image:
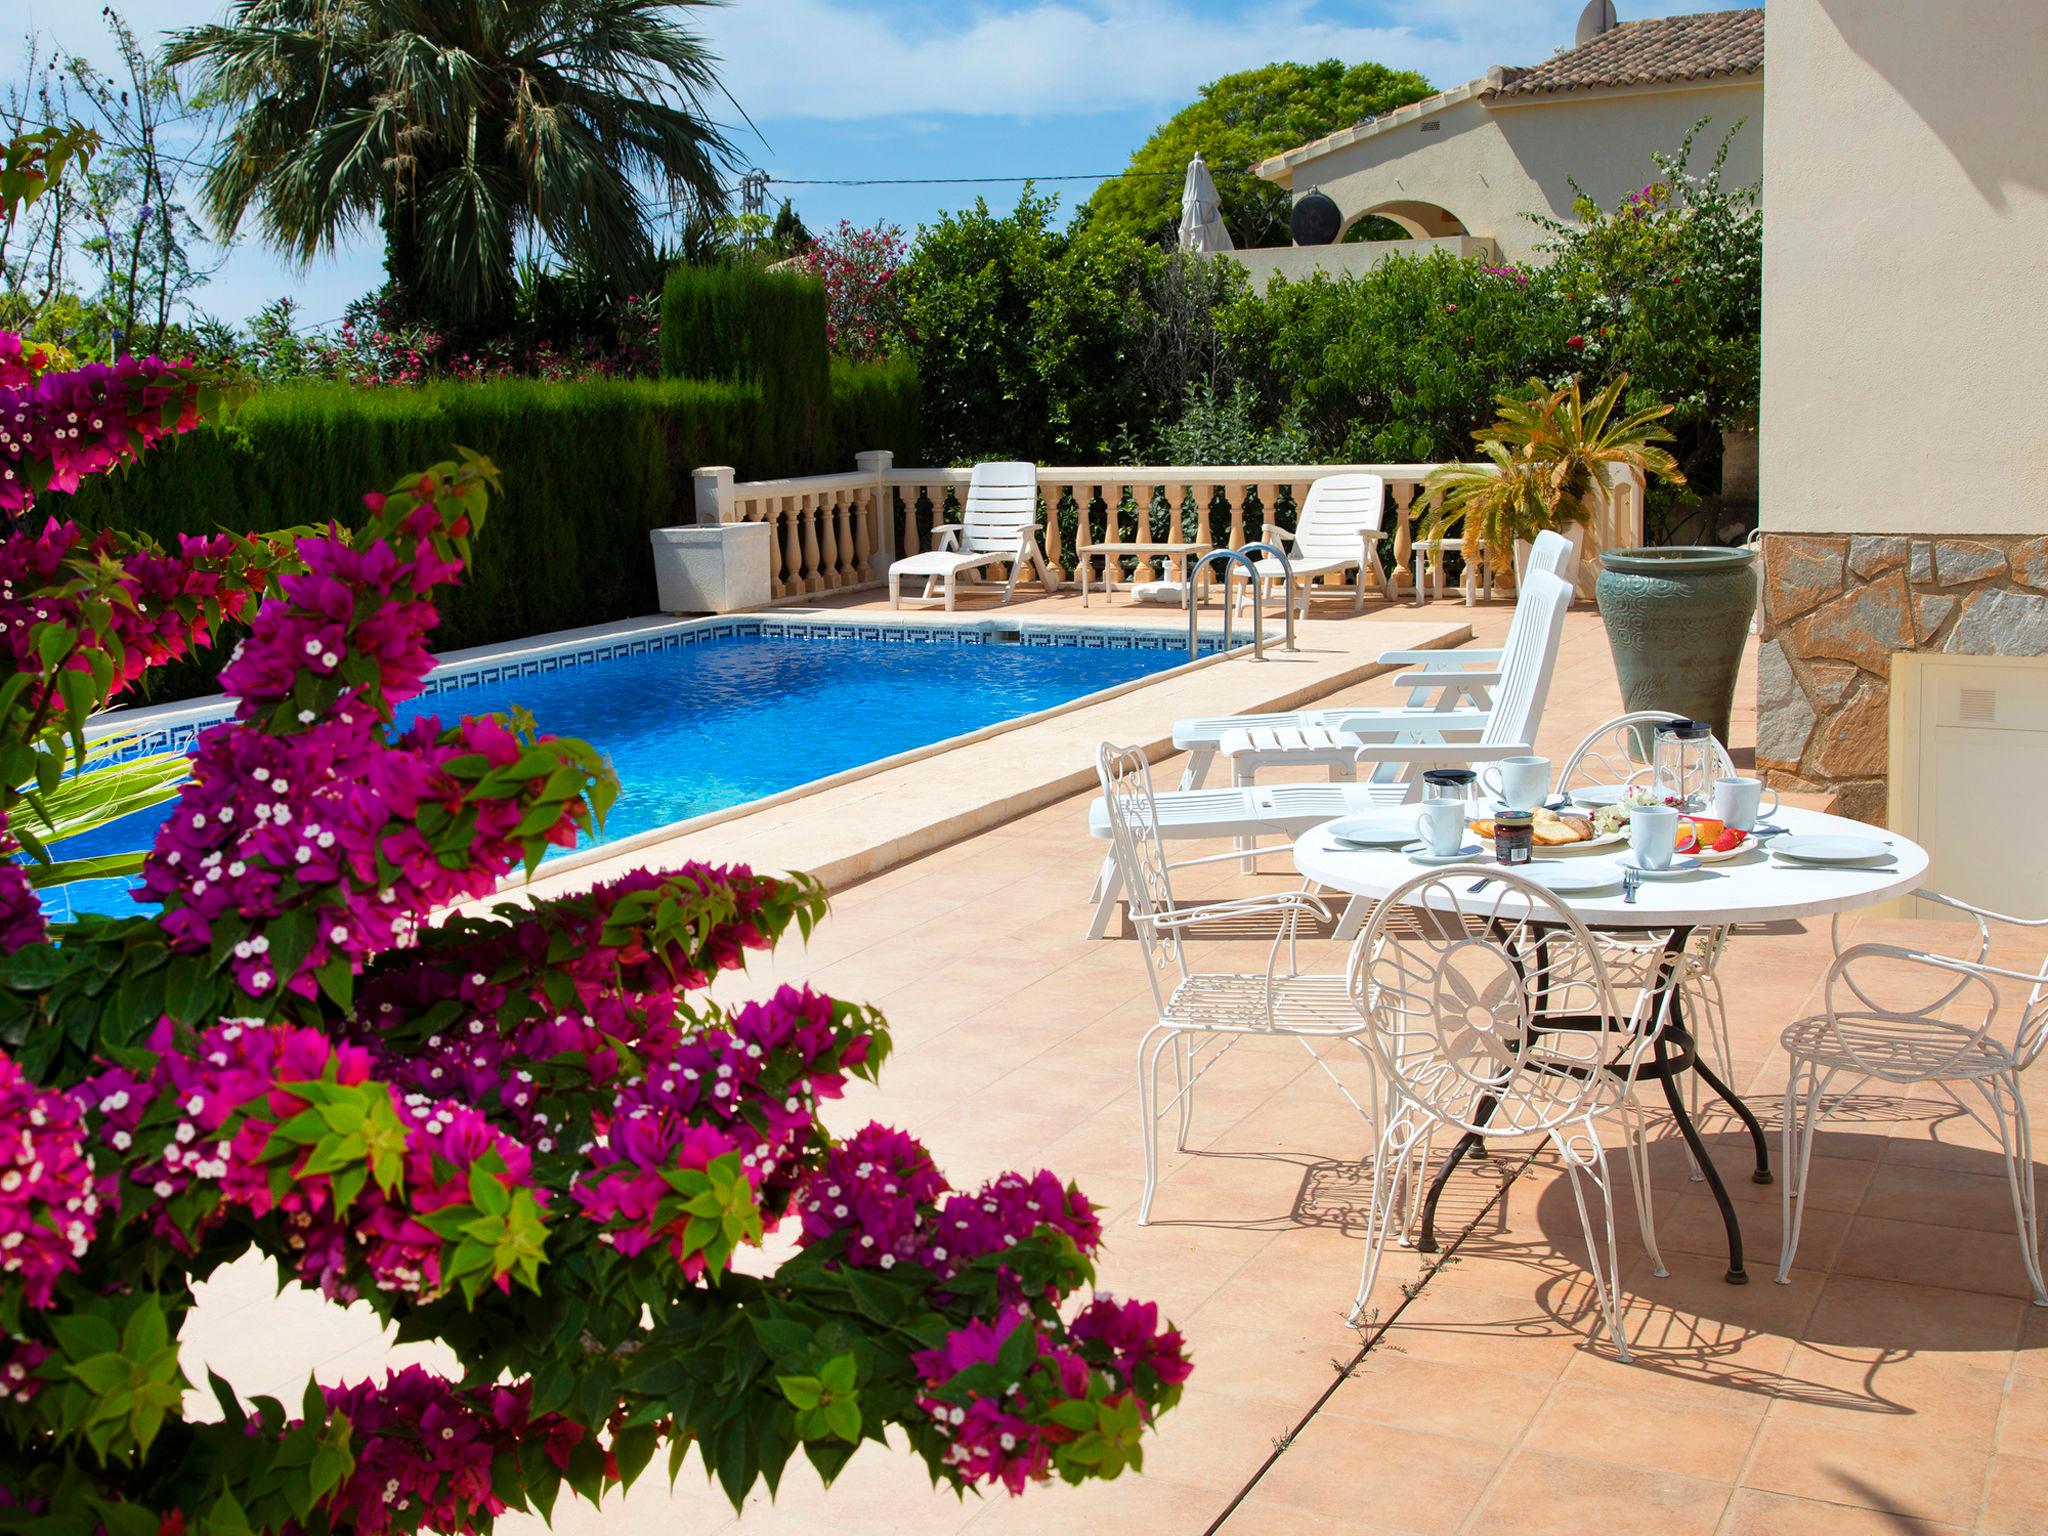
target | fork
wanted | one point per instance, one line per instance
(1631, 882)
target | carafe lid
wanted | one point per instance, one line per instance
(1449, 776)
(1684, 730)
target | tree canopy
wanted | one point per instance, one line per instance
(459, 127)
(1236, 122)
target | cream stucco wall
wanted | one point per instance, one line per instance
(1489, 164)
(1295, 262)
(1905, 352)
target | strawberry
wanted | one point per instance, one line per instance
(1729, 840)
(1688, 836)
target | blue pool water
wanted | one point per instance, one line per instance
(752, 708)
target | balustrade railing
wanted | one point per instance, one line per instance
(838, 533)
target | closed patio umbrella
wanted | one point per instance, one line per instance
(1201, 212)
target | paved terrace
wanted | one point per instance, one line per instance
(1899, 1384)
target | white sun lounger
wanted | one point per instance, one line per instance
(1399, 744)
(1337, 529)
(999, 523)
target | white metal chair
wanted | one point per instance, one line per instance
(998, 523)
(1401, 745)
(1945, 1042)
(1336, 529)
(1492, 1016)
(1201, 1014)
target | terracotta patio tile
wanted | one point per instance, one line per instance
(1885, 1472)
(1472, 1402)
(1952, 1257)
(2016, 1503)
(1751, 1513)
(1706, 1436)
(1546, 1495)
(1930, 1397)
(1418, 1482)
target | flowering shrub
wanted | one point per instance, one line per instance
(863, 301)
(530, 1134)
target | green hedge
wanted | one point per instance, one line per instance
(743, 324)
(589, 467)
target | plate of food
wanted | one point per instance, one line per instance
(1710, 841)
(1560, 832)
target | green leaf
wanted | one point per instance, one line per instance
(802, 1391)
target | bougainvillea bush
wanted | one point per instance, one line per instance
(531, 1135)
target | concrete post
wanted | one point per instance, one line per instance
(714, 494)
(878, 462)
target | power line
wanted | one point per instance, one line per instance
(974, 181)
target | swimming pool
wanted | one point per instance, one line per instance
(703, 715)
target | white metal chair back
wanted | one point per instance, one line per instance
(1623, 751)
(1455, 985)
(1141, 862)
(1549, 551)
(1528, 660)
(1001, 507)
(1337, 514)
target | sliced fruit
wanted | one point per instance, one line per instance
(1729, 840)
(1688, 836)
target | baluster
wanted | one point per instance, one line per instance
(1237, 519)
(864, 530)
(792, 550)
(1142, 568)
(825, 508)
(1405, 562)
(906, 544)
(807, 541)
(1051, 492)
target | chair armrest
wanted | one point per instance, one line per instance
(946, 536)
(1431, 753)
(1243, 906)
(1447, 679)
(1392, 722)
(1926, 894)
(1438, 660)
(1966, 973)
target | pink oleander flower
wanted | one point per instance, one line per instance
(48, 1204)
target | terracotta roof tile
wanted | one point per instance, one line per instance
(1669, 48)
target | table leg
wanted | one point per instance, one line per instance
(1666, 1002)
(1733, 1100)
(1425, 1240)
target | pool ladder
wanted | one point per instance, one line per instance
(1232, 559)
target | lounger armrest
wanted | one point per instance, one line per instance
(946, 536)
(1447, 680)
(1446, 661)
(1454, 754)
(1401, 722)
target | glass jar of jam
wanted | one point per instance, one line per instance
(1514, 836)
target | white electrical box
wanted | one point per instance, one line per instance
(1969, 773)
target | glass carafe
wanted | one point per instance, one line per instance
(1686, 765)
(1449, 784)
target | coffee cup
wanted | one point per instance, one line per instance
(1519, 783)
(1738, 803)
(1653, 834)
(1441, 827)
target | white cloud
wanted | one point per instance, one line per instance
(855, 59)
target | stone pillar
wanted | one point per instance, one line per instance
(878, 462)
(714, 494)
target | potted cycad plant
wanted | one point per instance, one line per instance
(1551, 454)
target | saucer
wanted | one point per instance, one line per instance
(1681, 864)
(1464, 855)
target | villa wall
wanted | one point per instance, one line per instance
(1489, 164)
(1905, 365)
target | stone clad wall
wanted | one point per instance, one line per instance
(1835, 608)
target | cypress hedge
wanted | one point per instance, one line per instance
(743, 324)
(589, 467)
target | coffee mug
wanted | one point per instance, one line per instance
(1653, 834)
(1738, 803)
(1519, 783)
(1441, 826)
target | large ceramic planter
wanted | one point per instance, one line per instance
(1677, 620)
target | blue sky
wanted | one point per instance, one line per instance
(911, 88)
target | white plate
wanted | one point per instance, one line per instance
(1464, 855)
(1830, 848)
(1682, 864)
(1597, 795)
(1748, 844)
(1565, 878)
(1566, 850)
(1379, 830)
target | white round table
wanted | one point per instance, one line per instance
(1751, 887)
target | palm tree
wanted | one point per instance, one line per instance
(459, 125)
